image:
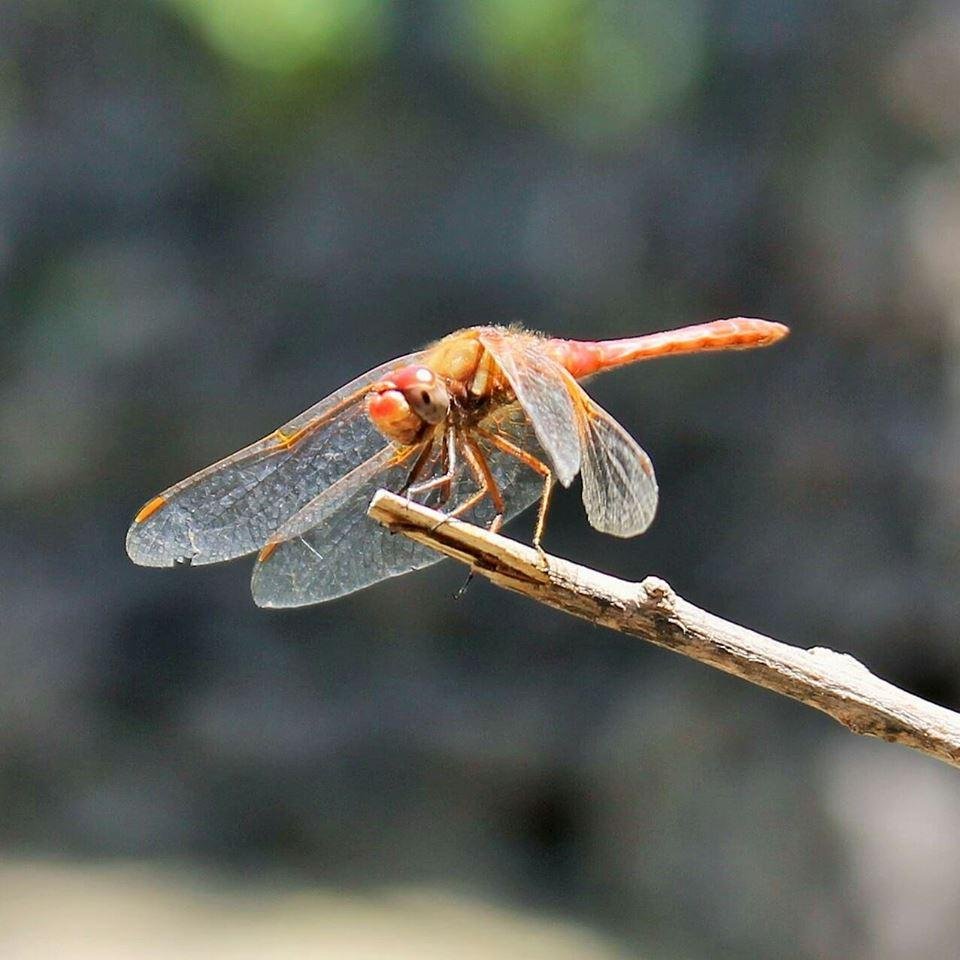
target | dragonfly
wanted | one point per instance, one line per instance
(480, 425)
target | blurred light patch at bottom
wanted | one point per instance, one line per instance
(74, 912)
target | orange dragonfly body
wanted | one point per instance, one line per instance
(478, 425)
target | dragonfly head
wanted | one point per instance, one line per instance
(403, 404)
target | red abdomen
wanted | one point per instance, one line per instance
(585, 357)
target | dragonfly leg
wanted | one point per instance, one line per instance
(449, 461)
(449, 464)
(485, 482)
(535, 464)
(418, 468)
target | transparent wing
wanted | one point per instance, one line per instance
(541, 387)
(619, 487)
(233, 507)
(520, 485)
(332, 548)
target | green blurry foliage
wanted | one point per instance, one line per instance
(592, 70)
(283, 36)
(595, 70)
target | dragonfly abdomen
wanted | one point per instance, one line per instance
(584, 357)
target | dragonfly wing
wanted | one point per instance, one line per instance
(619, 486)
(332, 548)
(520, 485)
(541, 387)
(233, 507)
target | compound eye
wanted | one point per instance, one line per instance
(428, 398)
(424, 392)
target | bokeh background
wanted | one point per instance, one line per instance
(213, 213)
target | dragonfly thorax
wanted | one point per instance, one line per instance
(408, 402)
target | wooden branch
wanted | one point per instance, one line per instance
(833, 682)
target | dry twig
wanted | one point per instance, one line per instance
(833, 682)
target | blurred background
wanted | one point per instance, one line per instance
(213, 213)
